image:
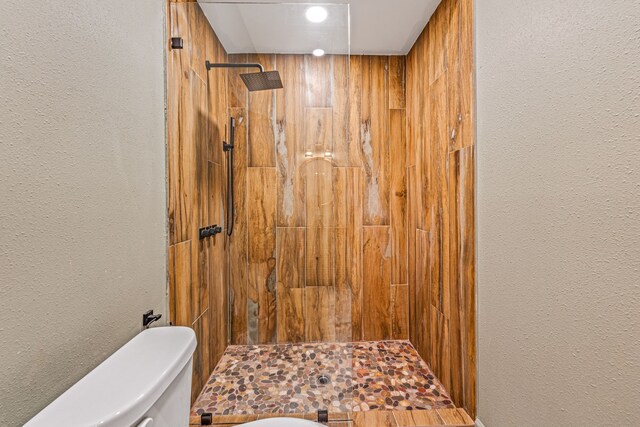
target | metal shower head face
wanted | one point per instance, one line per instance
(265, 80)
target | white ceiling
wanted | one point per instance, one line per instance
(383, 27)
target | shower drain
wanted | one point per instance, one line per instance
(323, 380)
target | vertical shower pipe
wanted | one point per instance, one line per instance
(228, 148)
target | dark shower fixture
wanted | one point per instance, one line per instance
(228, 148)
(209, 231)
(262, 80)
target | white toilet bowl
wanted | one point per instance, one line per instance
(146, 383)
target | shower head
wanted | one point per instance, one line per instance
(262, 80)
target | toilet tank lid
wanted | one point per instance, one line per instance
(123, 387)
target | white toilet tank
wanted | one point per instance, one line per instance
(145, 383)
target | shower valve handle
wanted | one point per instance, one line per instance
(210, 231)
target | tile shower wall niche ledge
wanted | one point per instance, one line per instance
(453, 417)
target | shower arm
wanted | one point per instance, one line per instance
(211, 65)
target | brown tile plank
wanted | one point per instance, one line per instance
(319, 193)
(197, 27)
(400, 312)
(182, 158)
(423, 144)
(238, 273)
(438, 198)
(217, 83)
(237, 91)
(374, 418)
(418, 109)
(422, 340)
(417, 418)
(437, 46)
(340, 104)
(468, 421)
(397, 82)
(290, 142)
(412, 226)
(452, 41)
(261, 120)
(340, 416)
(180, 256)
(347, 195)
(348, 284)
(466, 252)
(318, 133)
(214, 269)
(375, 139)
(290, 318)
(320, 250)
(455, 417)
(178, 98)
(171, 271)
(411, 105)
(290, 256)
(320, 256)
(290, 274)
(456, 318)
(467, 87)
(439, 360)
(318, 76)
(200, 199)
(261, 187)
(201, 356)
(356, 126)
(398, 197)
(202, 279)
(348, 185)
(319, 309)
(227, 420)
(376, 323)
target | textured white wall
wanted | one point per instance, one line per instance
(82, 189)
(558, 212)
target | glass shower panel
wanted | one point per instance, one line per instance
(294, 267)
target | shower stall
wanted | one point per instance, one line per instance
(319, 294)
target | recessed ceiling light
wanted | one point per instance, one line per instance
(316, 14)
(318, 52)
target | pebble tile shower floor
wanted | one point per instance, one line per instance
(269, 379)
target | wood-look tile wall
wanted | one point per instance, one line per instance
(319, 250)
(440, 171)
(196, 126)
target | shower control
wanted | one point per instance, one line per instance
(210, 231)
